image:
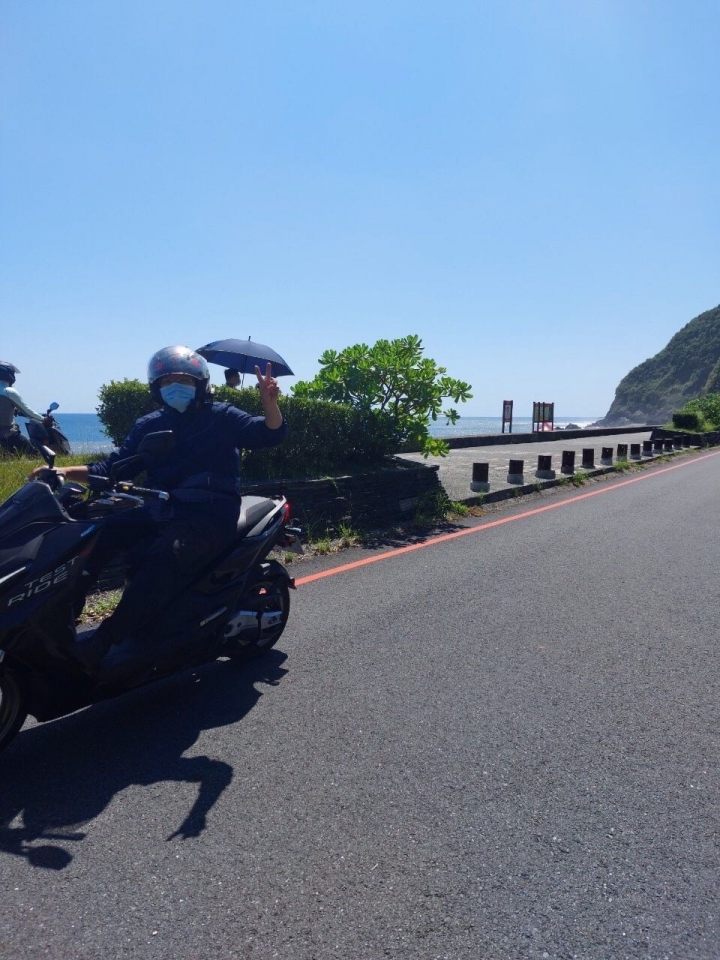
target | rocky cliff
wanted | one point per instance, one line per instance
(688, 367)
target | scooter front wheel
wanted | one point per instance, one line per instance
(269, 598)
(13, 707)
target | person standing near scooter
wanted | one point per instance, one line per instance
(11, 403)
(202, 474)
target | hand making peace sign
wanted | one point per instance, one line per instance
(269, 390)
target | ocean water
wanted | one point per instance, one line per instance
(85, 432)
(481, 426)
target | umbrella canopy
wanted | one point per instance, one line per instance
(244, 356)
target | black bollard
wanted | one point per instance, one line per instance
(544, 468)
(568, 461)
(634, 451)
(668, 443)
(588, 458)
(622, 451)
(480, 482)
(686, 440)
(647, 448)
(607, 456)
(677, 442)
(658, 444)
(516, 471)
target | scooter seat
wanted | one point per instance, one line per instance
(252, 510)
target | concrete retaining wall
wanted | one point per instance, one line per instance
(502, 439)
(366, 499)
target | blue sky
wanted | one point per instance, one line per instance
(531, 187)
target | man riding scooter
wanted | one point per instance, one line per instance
(11, 403)
(202, 474)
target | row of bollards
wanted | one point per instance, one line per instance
(516, 468)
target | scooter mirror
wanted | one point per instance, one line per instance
(152, 450)
(53, 406)
(48, 455)
(155, 447)
(126, 469)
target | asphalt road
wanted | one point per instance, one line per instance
(502, 745)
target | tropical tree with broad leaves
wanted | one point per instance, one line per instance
(393, 377)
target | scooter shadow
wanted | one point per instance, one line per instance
(63, 774)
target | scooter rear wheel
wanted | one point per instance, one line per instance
(13, 708)
(269, 594)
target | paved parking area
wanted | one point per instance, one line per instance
(455, 470)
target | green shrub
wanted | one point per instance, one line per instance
(122, 402)
(703, 411)
(709, 406)
(324, 438)
(689, 420)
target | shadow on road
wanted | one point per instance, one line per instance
(63, 774)
(407, 537)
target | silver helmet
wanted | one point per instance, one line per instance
(178, 359)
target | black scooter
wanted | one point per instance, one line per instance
(237, 607)
(48, 433)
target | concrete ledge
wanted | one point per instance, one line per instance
(502, 439)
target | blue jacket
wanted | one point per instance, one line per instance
(205, 460)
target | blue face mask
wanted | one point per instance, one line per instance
(179, 396)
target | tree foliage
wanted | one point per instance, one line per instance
(702, 413)
(395, 379)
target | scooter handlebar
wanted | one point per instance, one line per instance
(107, 485)
(142, 491)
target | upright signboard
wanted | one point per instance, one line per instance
(543, 416)
(507, 415)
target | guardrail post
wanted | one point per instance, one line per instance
(480, 482)
(588, 458)
(568, 461)
(647, 448)
(544, 468)
(516, 471)
(634, 451)
(607, 456)
(622, 451)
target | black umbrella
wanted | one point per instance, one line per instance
(244, 356)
